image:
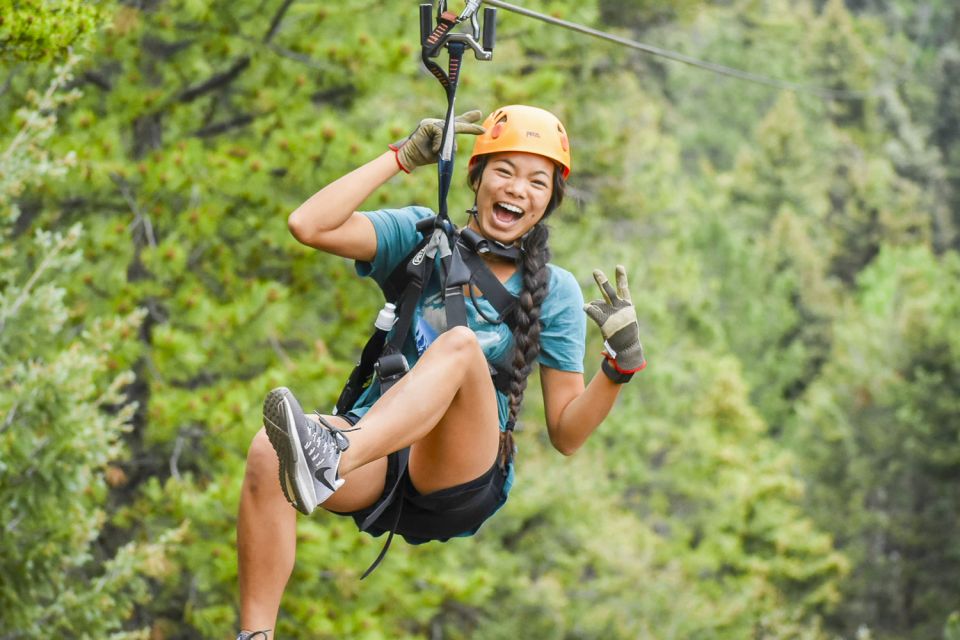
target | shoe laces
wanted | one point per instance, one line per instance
(335, 434)
(320, 445)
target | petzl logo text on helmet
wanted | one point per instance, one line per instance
(417, 259)
(533, 134)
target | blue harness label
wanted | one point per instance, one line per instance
(424, 335)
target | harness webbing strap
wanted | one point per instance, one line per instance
(501, 379)
(418, 272)
(396, 282)
(457, 276)
(361, 373)
(406, 308)
(446, 21)
(447, 143)
(493, 290)
(391, 498)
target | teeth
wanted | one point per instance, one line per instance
(511, 208)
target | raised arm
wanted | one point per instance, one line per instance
(573, 411)
(329, 221)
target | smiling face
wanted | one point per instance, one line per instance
(513, 194)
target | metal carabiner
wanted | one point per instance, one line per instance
(470, 11)
(480, 40)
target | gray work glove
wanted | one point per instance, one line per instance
(423, 145)
(618, 322)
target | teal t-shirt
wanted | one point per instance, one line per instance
(563, 322)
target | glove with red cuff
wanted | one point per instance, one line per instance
(423, 145)
(617, 318)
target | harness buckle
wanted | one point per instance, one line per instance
(390, 368)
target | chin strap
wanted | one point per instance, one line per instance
(512, 252)
(484, 246)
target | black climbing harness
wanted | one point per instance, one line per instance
(458, 253)
(382, 355)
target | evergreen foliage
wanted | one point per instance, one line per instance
(785, 468)
(40, 30)
(880, 431)
(64, 414)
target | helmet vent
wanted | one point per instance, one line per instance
(498, 128)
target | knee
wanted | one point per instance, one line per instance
(458, 342)
(262, 464)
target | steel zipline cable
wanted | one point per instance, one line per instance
(757, 78)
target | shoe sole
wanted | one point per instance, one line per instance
(283, 435)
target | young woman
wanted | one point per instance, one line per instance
(432, 457)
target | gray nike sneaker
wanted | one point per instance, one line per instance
(254, 635)
(309, 452)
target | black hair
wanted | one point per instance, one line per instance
(534, 256)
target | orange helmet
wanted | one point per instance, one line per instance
(522, 128)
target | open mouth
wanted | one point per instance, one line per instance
(507, 213)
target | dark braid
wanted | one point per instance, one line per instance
(534, 256)
(526, 334)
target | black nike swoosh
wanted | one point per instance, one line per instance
(320, 475)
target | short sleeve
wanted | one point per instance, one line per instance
(564, 331)
(397, 235)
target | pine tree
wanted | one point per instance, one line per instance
(879, 436)
(62, 416)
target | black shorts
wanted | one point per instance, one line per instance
(440, 515)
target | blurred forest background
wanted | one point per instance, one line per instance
(788, 467)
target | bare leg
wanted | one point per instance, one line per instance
(445, 407)
(267, 528)
(266, 538)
